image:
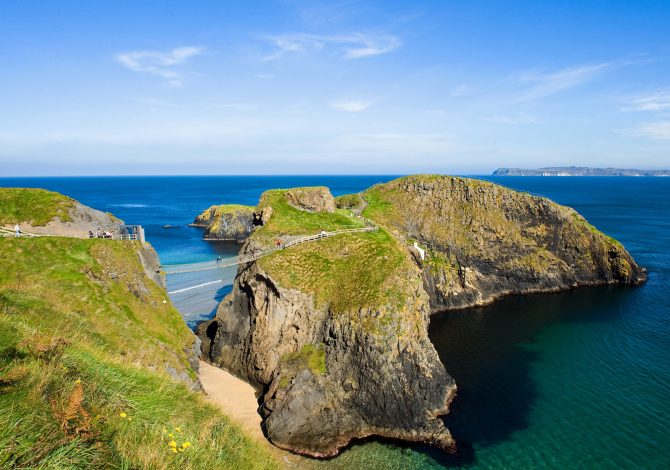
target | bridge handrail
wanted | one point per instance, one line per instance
(235, 260)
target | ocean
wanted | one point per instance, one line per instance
(579, 379)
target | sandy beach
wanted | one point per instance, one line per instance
(237, 400)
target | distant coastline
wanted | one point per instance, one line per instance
(578, 171)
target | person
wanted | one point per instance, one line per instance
(97, 233)
(323, 233)
(90, 234)
(17, 230)
(218, 260)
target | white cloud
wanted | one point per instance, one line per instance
(546, 84)
(158, 62)
(658, 100)
(350, 46)
(352, 106)
(659, 130)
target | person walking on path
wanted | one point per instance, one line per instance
(17, 231)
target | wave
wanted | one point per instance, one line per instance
(128, 205)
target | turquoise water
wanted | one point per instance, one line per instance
(573, 380)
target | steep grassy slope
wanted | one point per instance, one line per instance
(37, 206)
(94, 369)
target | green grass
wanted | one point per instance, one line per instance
(287, 220)
(348, 271)
(310, 356)
(35, 206)
(349, 201)
(81, 314)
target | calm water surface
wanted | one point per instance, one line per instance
(572, 380)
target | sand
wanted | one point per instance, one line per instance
(237, 400)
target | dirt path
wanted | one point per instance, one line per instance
(237, 400)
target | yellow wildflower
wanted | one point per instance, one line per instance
(123, 415)
(170, 435)
(172, 444)
(174, 451)
(177, 429)
(186, 445)
(78, 381)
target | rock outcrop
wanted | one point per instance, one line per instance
(333, 334)
(325, 376)
(484, 241)
(313, 199)
(228, 222)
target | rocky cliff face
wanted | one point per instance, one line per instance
(326, 377)
(333, 334)
(230, 222)
(313, 199)
(484, 241)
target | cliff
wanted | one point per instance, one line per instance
(97, 368)
(484, 241)
(333, 333)
(229, 222)
(45, 212)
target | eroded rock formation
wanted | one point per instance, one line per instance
(333, 334)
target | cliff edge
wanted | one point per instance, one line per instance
(333, 333)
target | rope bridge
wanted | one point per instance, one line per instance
(247, 258)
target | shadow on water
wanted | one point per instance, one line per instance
(489, 353)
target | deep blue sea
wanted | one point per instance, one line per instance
(573, 380)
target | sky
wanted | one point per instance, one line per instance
(340, 87)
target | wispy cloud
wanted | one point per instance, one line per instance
(550, 83)
(658, 100)
(659, 130)
(158, 62)
(351, 106)
(519, 118)
(459, 91)
(350, 46)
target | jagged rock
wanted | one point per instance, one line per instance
(332, 363)
(324, 378)
(231, 222)
(486, 241)
(313, 199)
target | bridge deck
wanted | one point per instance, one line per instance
(236, 260)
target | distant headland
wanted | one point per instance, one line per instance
(578, 171)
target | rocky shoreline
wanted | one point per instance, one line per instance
(333, 336)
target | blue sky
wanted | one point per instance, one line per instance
(312, 87)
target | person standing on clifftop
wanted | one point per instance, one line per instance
(17, 231)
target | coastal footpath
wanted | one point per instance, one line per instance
(333, 334)
(97, 367)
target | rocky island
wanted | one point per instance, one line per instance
(578, 171)
(227, 222)
(333, 334)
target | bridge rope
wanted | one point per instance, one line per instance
(247, 258)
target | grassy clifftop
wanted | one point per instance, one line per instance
(348, 271)
(286, 219)
(91, 352)
(37, 206)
